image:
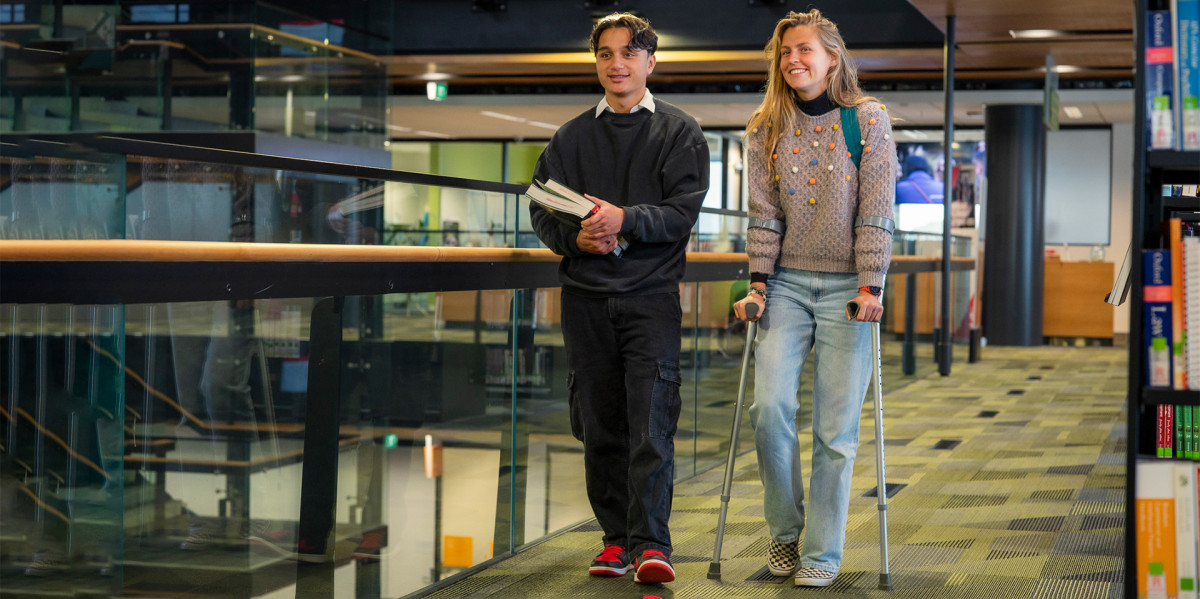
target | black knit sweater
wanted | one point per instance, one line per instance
(655, 166)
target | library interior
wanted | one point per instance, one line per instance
(275, 319)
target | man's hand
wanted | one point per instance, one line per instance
(596, 244)
(605, 222)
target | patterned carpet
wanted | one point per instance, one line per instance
(1013, 486)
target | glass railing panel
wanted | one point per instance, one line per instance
(62, 197)
(713, 342)
(186, 200)
(214, 436)
(719, 231)
(61, 407)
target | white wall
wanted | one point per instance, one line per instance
(1120, 176)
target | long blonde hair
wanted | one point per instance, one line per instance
(779, 104)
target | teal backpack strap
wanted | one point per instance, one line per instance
(851, 133)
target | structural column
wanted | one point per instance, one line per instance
(1014, 225)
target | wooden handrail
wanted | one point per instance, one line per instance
(134, 250)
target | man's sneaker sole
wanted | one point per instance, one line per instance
(654, 572)
(609, 571)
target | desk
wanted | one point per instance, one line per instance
(1073, 299)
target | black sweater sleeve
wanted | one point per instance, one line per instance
(557, 235)
(684, 183)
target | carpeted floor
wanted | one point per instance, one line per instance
(1013, 486)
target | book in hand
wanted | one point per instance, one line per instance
(567, 205)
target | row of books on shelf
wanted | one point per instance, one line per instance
(1172, 81)
(1171, 309)
(1167, 516)
(1176, 191)
(1178, 433)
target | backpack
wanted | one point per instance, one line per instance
(851, 133)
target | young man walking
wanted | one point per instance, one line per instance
(645, 164)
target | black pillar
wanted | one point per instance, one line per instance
(1014, 235)
(946, 340)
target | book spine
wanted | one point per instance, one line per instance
(1174, 236)
(1188, 44)
(1156, 291)
(1185, 529)
(1159, 84)
(1177, 426)
(1154, 506)
(1191, 310)
(1160, 433)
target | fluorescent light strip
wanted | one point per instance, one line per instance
(542, 125)
(1073, 112)
(1036, 33)
(502, 116)
(432, 134)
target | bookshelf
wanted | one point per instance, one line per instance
(1152, 169)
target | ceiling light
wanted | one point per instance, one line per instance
(399, 128)
(432, 134)
(502, 116)
(434, 76)
(542, 125)
(1036, 33)
(1073, 112)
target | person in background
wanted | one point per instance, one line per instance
(918, 185)
(645, 164)
(820, 235)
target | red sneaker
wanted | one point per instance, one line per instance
(653, 567)
(613, 561)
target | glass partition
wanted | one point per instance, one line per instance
(160, 446)
(927, 293)
(194, 68)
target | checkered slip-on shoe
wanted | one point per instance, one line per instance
(782, 558)
(813, 577)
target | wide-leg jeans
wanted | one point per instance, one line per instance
(623, 386)
(806, 312)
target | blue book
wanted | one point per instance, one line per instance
(1156, 290)
(1187, 44)
(1160, 69)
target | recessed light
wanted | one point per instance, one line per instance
(1035, 33)
(1073, 112)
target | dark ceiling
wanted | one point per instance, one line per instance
(449, 26)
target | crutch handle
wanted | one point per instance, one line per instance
(752, 310)
(852, 309)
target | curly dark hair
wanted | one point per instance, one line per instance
(641, 34)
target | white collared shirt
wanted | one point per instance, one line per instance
(646, 102)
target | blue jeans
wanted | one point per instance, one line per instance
(806, 311)
(623, 354)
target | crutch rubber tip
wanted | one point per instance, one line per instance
(885, 582)
(714, 571)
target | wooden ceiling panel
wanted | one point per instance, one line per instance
(990, 19)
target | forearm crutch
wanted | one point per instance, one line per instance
(714, 568)
(885, 578)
